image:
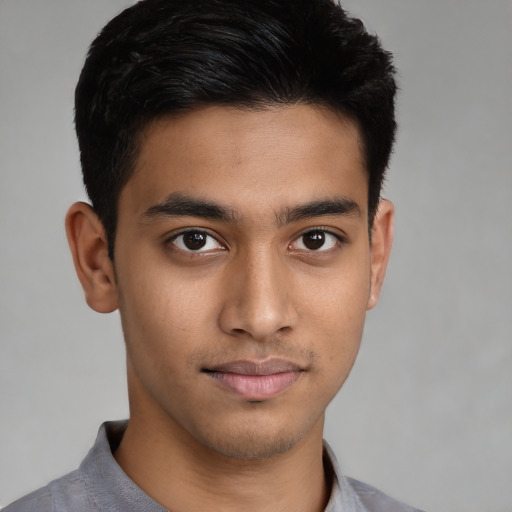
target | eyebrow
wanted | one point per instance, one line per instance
(180, 205)
(338, 205)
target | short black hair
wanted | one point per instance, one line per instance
(161, 57)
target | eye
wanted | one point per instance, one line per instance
(317, 240)
(196, 241)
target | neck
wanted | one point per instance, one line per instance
(183, 475)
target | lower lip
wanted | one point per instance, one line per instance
(256, 387)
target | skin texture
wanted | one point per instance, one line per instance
(255, 292)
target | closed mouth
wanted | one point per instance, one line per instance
(255, 380)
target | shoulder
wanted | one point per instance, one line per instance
(37, 501)
(65, 494)
(376, 501)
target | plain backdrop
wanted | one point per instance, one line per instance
(427, 413)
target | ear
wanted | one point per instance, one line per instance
(382, 239)
(88, 244)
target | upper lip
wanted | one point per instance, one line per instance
(246, 367)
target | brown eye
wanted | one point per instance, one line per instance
(196, 241)
(314, 240)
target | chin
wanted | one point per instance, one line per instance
(252, 445)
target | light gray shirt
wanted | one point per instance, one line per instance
(100, 485)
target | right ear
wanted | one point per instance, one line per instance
(94, 268)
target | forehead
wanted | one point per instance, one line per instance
(278, 155)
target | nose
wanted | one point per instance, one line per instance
(258, 298)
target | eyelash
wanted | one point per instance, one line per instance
(339, 240)
(172, 240)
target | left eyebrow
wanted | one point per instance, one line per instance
(338, 205)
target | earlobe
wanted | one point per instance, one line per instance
(88, 244)
(382, 239)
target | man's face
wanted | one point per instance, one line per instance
(242, 266)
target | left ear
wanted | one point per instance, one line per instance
(382, 239)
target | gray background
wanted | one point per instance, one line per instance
(427, 412)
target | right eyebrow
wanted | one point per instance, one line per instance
(181, 205)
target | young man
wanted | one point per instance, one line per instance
(233, 152)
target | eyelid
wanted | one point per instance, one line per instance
(339, 236)
(171, 238)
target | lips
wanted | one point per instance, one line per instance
(255, 380)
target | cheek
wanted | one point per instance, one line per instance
(337, 299)
(163, 317)
(160, 336)
(162, 294)
(336, 308)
